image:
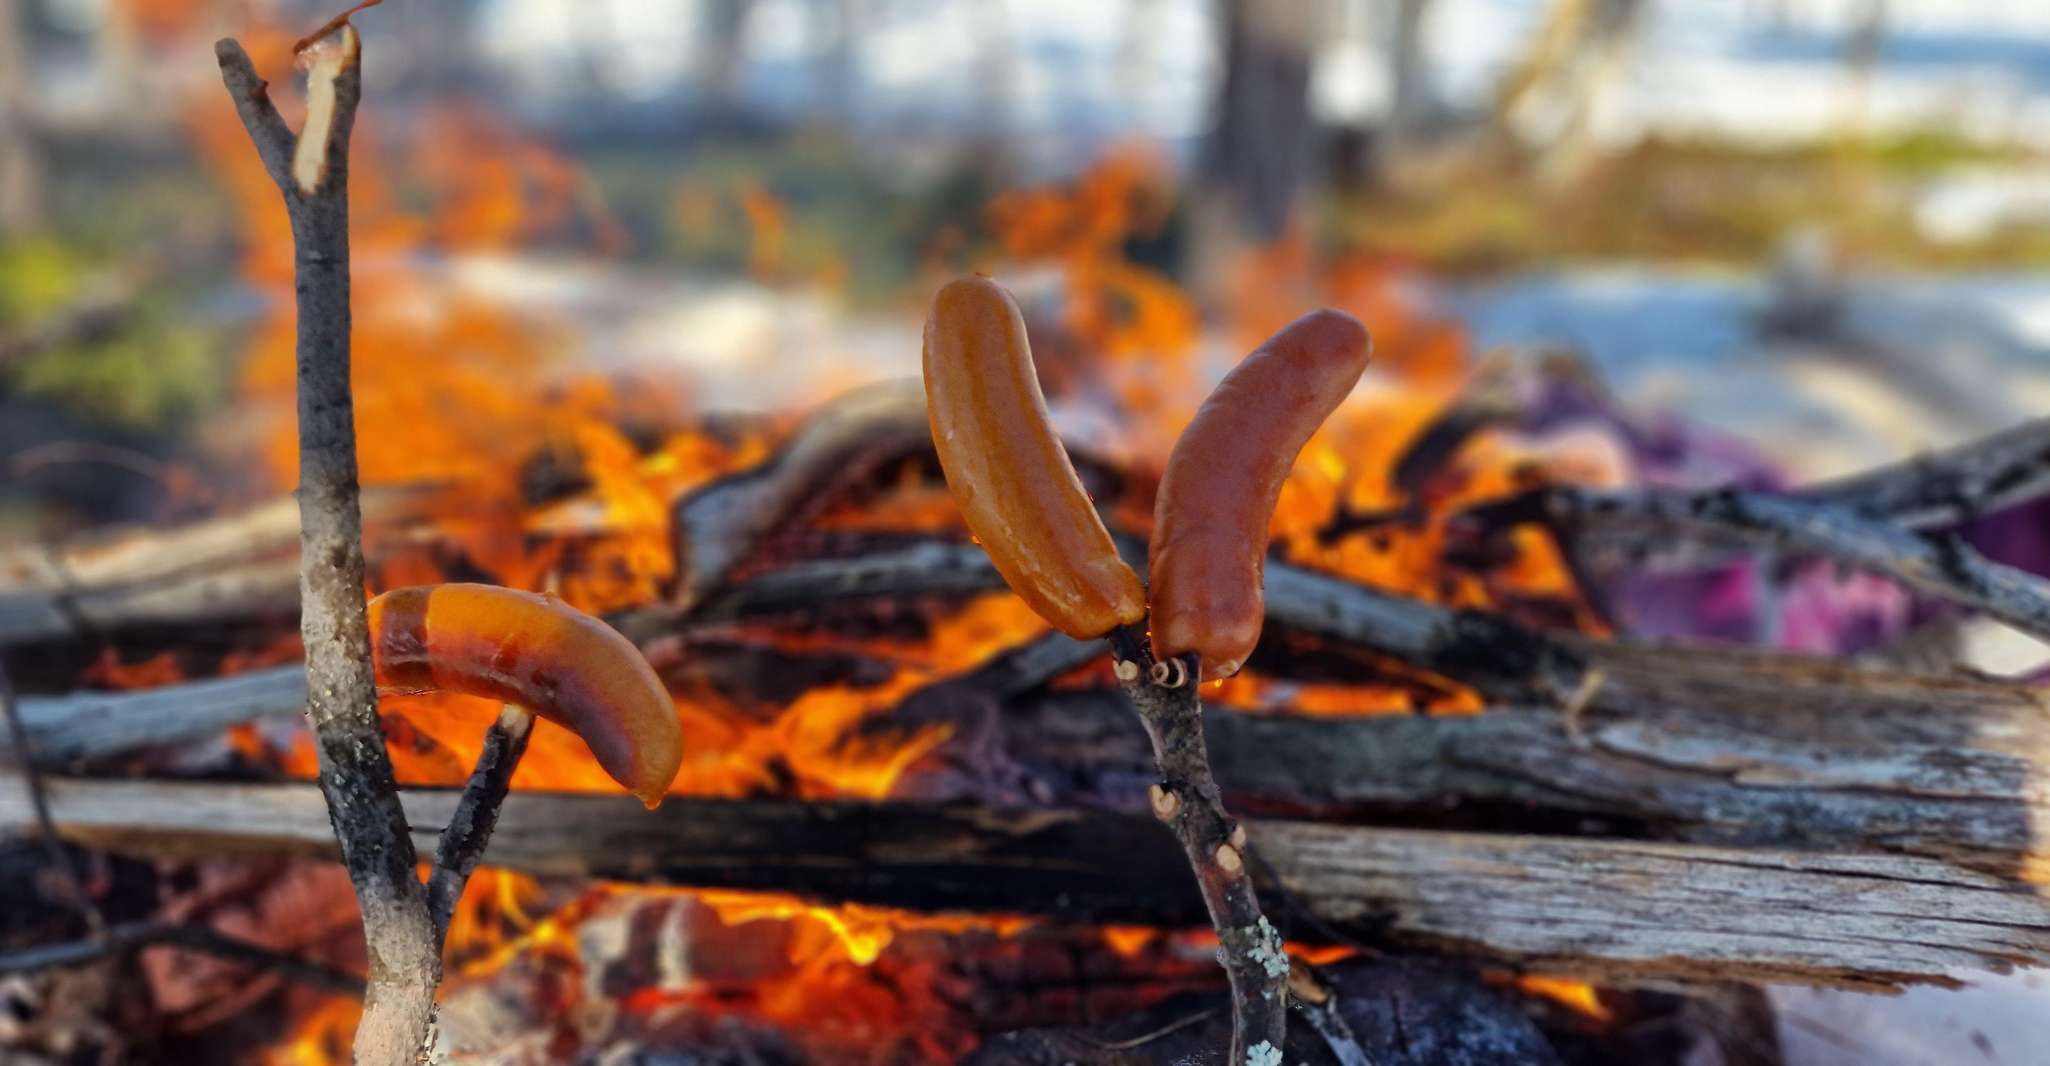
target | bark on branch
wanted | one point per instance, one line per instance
(1186, 799)
(312, 174)
(1949, 487)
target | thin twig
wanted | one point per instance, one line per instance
(355, 770)
(61, 859)
(331, 25)
(1188, 801)
(476, 814)
(1949, 487)
(1315, 1000)
(1144, 1039)
(132, 936)
(1940, 566)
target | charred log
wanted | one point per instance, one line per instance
(1391, 1012)
(1694, 744)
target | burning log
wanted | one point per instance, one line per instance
(1502, 660)
(1387, 1012)
(242, 566)
(1613, 911)
(1723, 748)
(1697, 744)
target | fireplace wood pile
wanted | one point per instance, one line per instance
(1622, 811)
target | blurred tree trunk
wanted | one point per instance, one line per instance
(720, 62)
(20, 167)
(1260, 152)
(443, 59)
(1412, 105)
(996, 72)
(1851, 154)
(1135, 54)
(839, 69)
(1554, 96)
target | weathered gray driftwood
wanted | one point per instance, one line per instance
(1610, 910)
(232, 568)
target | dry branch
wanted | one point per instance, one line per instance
(311, 172)
(230, 568)
(720, 527)
(1940, 566)
(1186, 799)
(1609, 910)
(131, 937)
(469, 828)
(83, 726)
(1950, 487)
(61, 861)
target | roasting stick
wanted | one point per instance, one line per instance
(571, 667)
(1168, 697)
(1020, 496)
(1207, 605)
(311, 170)
(476, 814)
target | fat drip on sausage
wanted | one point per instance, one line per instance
(1223, 478)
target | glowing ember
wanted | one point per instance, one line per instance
(1577, 996)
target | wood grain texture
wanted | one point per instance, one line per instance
(1613, 910)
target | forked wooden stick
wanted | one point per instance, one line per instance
(312, 173)
(1186, 799)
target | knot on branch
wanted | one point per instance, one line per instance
(1170, 673)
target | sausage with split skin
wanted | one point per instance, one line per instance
(539, 653)
(1008, 471)
(1223, 479)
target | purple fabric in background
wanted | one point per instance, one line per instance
(1805, 605)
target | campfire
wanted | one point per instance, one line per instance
(1484, 810)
